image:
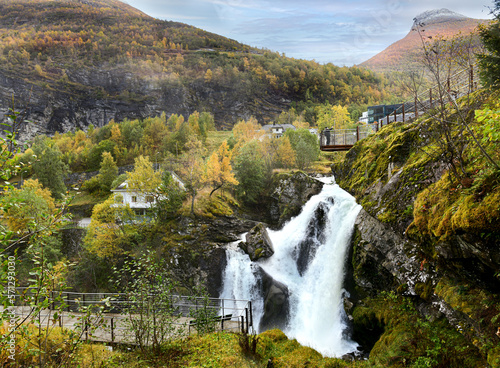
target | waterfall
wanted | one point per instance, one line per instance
(310, 256)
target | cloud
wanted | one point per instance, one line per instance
(341, 32)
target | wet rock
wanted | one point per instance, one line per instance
(314, 237)
(258, 244)
(276, 302)
(288, 194)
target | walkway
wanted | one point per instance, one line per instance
(455, 86)
(112, 325)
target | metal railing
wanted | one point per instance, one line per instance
(230, 314)
(341, 139)
(451, 88)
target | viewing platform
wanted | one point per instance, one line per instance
(334, 140)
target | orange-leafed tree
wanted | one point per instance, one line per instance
(245, 131)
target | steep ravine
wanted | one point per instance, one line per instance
(451, 280)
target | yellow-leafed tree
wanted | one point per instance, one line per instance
(245, 131)
(219, 171)
(334, 116)
(104, 236)
(285, 153)
(144, 179)
(29, 208)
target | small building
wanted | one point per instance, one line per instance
(377, 112)
(139, 202)
(364, 117)
(314, 131)
(277, 130)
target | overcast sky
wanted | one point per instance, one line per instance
(340, 32)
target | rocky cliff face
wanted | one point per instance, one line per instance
(448, 279)
(98, 96)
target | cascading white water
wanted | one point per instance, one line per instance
(240, 282)
(310, 255)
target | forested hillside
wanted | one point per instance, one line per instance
(74, 63)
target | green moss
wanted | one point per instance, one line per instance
(424, 289)
(407, 339)
(215, 206)
(386, 216)
(478, 305)
(494, 356)
(283, 352)
(445, 208)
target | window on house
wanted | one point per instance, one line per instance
(149, 199)
(134, 199)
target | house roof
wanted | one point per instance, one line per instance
(284, 126)
(123, 187)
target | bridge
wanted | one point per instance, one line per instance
(334, 140)
(452, 88)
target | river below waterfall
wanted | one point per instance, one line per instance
(309, 261)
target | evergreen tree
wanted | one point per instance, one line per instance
(108, 171)
(250, 172)
(103, 182)
(49, 167)
(170, 198)
(490, 62)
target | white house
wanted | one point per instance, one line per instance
(277, 130)
(139, 202)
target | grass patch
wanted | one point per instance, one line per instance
(220, 203)
(85, 199)
(215, 139)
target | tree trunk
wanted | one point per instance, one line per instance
(193, 195)
(216, 188)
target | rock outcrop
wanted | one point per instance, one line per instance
(288, 193)
(258, 244)
(276, 302)
(196, 249)
(63, 109)
(446, 275)
(383, 260)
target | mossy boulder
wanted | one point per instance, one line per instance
(258, 244)
(287, 195)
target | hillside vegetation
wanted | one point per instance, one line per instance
(155, 93)
(448, 220)
(75, 63)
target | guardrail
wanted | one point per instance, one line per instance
(231, 314)
(343, 139)
(453, 87)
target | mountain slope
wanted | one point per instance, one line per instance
(72, 63)
(404, 54)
